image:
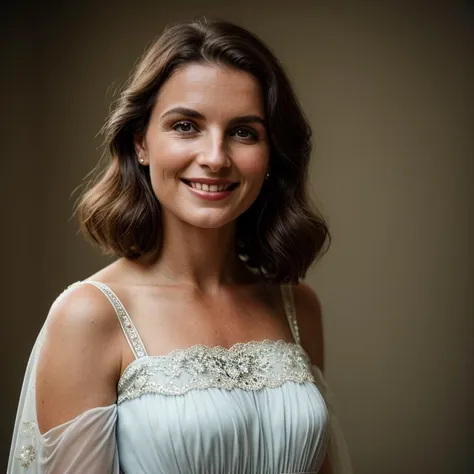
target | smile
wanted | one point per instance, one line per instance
(210, 189)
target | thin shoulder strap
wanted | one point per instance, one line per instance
(130, 331)
(289, 304)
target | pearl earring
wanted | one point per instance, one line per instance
(141, 160)
(267, 176)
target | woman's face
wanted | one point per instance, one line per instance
(206, 145)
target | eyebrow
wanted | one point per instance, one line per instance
(191, 113)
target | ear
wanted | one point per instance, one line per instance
(141, 148)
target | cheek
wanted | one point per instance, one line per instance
(254, 165)
(169, 157)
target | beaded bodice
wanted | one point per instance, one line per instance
(249, 366)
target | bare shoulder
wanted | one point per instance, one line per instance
(309, 316)
(81, 305)
(79, 362)
(81, 315)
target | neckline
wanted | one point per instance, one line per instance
(217, 348)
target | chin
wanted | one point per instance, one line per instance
(209, 219)
(209, 223)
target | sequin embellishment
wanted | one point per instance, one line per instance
(27, 455)
(29, 428)
(27, 452)
(250, 366)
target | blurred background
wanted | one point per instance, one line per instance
(389, 90)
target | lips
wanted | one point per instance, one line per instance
(210, 185)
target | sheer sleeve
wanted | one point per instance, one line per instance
(339, 456)
(84, 445)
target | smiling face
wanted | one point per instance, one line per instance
(206, 145)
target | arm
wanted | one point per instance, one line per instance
(308, 311)
(77, 372)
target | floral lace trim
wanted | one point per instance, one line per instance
(250, 366)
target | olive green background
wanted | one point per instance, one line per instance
(389, 92)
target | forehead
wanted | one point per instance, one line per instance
(211, 89)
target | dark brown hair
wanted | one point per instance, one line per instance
(280, 234)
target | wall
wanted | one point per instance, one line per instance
(389, 93)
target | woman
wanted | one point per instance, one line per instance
(198, 350)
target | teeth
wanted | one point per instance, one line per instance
(212, 188)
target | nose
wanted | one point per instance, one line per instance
(214, 154)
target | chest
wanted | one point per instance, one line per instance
(181, 318)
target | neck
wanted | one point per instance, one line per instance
(205, 259)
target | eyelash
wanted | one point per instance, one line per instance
(252, 133)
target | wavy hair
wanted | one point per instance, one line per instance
(281, 234)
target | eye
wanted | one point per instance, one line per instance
(245, 133)
(184, 127)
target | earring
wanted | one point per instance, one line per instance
(267, 176)
(141, 160)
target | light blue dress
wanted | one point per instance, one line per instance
(254, 408)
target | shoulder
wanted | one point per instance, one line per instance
(80, 309)
(310, 322)
(79, 361)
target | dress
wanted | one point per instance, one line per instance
(256, 408)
